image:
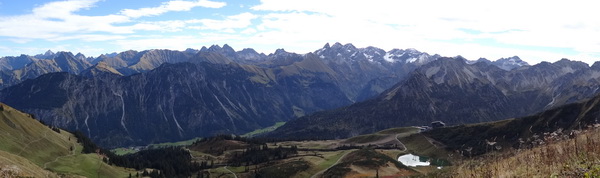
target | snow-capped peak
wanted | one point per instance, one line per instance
(510, 63)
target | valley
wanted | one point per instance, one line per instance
(299, 89)
(339, 111)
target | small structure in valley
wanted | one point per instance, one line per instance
(437, 124)
(424, 128)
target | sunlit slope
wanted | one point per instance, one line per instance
(30, 148)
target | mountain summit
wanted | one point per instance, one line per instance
(510, 63)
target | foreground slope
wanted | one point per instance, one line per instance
(558, 142)
(30, 148)
(565, 119)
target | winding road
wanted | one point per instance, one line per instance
(403, 146)
(323, 171)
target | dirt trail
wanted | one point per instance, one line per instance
(231, 172)
(56, 159)
(403, 146)
(33, 141)
(338, 161)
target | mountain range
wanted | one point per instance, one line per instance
(123, 98)
(455, 92)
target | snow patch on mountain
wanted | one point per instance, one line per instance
(510, 63)
(387, 57)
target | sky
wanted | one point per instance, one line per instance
(534, 30)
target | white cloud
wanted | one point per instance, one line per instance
(89, 37)
(164, 26)
(471, 28)
(159, 42)
(242, 20)
(61, 9)
(58, 20)
(422, 24)
(249, 31)
(84, 49)
(176, 5)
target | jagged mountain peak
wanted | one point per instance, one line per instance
(128, 52)
(412, 50)
(409, 55)
(371, 49)
(113, 54)
(596, 65)
(513, 59)
(228, 48)
(570, 66)
(250, 55)
(337, 45)
(459, 57)
(68, 63)
(80, 56)
(99, 69)
(484, 60)
(203, 49)
(214, 47)
(510, 63)
(102, 56)
(280, 51)
(248, 50)
(64, 55)
(349, 46)
(49, 53)
(567, 62)
(348, 52)
(191, 51)
(226, 51)
(338, 50)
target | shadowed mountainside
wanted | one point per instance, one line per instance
(452, 91)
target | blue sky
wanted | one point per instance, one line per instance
(534, 30)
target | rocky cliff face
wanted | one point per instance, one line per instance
(455, 92)
(172, 102)
(13, 63)
(61, 62)
(366, 72)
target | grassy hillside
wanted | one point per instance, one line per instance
(14, 166)
(368, 163)
(263, 130)
(29, 147)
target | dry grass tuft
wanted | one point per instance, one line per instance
(557, 154)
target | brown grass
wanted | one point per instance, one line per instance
(573, 154)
